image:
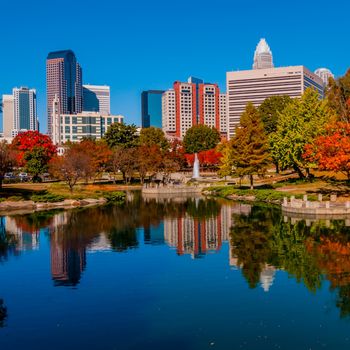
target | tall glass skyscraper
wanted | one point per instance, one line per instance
(151, 108)
(64, 80)
(25, 111)
(263, 56)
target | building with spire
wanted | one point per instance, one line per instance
(263, 56)
(324, 74)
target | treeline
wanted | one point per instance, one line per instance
(299, 134)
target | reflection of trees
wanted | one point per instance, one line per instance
(8, 242)
(3, 313)
(202, 209)
(250, 237)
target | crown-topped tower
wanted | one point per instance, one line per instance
(263, 56)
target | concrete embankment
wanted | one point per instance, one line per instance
(23, 207)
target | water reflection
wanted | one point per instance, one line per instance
(3, 313)
(261, 241)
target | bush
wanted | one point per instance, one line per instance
(47, 198)
(15, 198)
(115, 197)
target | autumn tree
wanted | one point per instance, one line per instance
(26, 141)
(200, 138)
(74, 165)
(124, 160)
(148, 160)
(338, 96)
(225, 161)
(331, 151)
(154, 137)
(36, 162)
(270, 109)
(7, 160)
(121, 135)
(249, 146)
(298, 125)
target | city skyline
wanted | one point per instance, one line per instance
(128, 73)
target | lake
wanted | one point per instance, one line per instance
(174, 274)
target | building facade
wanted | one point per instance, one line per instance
(64, 79)
(8, 115)
(25, 110)
(97, 98)
(75, 127)
(258, 84)
(192, 103)
(151, 108)
(324, 74)
(263, 56)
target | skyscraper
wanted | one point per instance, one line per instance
(263, 56)
(64, 79)
(25, 111)
(324, 74)
(97, 98)
(151, 108)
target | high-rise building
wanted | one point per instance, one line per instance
(64, 79)
(324, 74)
(25, 110)
(97, 98)
(8, 115)
(258, 84)
(151, 108)
(263, 56)
(189, 104)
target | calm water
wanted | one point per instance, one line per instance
(173, 274)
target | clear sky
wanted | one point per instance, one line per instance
(140, 45)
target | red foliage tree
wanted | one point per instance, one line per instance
(209, 158)
(332, 150)
(27, 141)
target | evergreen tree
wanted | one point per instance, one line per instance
(200, 138)
(250, 154)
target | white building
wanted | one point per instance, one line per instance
(263, 56)
(74, 127)
(324, 74)
(97, 98)
(8, 115)
(258, 84)
(169, 112)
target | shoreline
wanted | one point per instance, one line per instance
(27, 207)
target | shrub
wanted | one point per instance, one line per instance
(47, 198)
(115, 197)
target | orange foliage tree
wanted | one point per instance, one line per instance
(331, 151)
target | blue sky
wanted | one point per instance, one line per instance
(140, 45)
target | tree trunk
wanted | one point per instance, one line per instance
(277, 168)
(300, 173)
(251, 182)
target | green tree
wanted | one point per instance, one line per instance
(36, 162)
(250, 154)
(338, 96)
(7, 160)
(121, 135)
(200, 138)
(154, 137)
(225, 165)
(299, 124)
(270, 110)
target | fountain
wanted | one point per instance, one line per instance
(195, 167)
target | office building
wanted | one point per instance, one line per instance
(64, 79)
(192, 103)
(324, 74)
(74, 127)
(25, 110)
(8, 115)
(151, 108)
(97, 98)
(263, 56)
(258, 84)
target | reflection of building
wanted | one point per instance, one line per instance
(100, 244)
(267, 277)
(67, 261)
(25, 240)
(154, 234)
(197, 236)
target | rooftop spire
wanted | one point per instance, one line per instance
(263, 56)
